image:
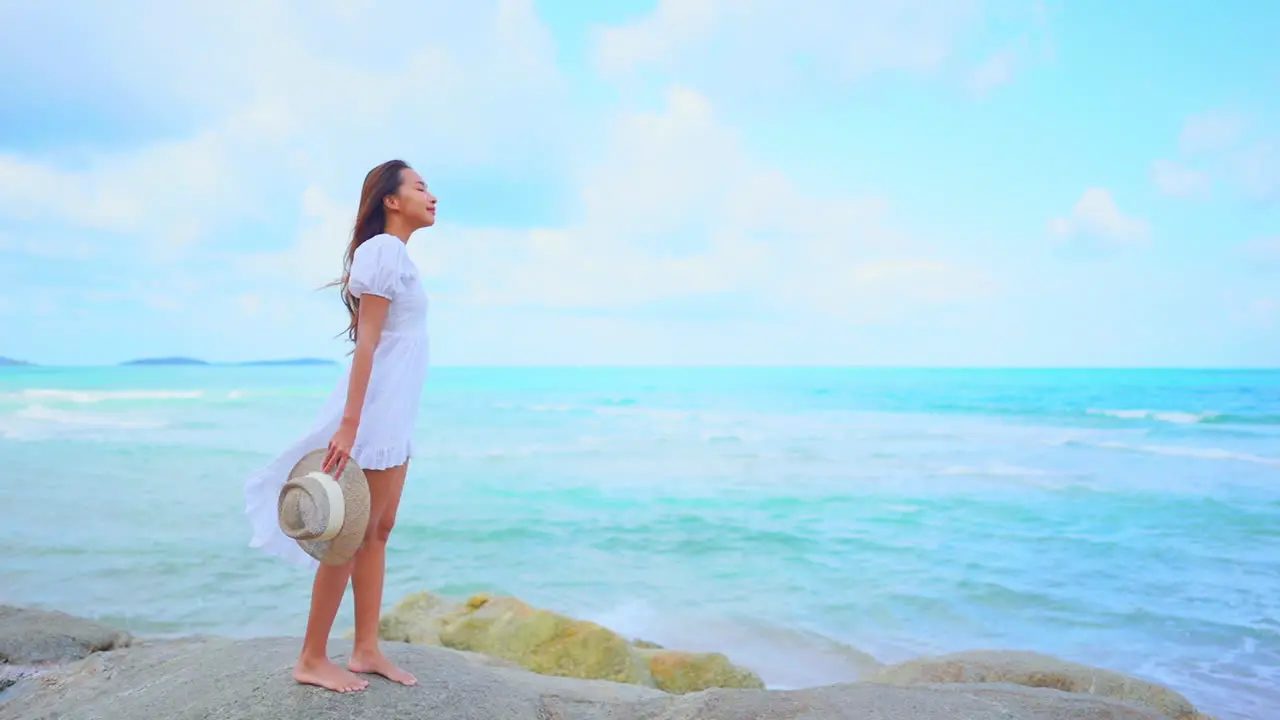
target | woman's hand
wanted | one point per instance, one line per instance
(335, 461)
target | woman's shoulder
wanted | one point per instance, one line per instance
(384, 246)
(383, 240)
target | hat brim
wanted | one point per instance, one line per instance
(355, 494)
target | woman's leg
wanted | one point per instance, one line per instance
(314, 666)
(370, 569)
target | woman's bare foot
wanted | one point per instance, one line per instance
(373, 661)
(325, 674)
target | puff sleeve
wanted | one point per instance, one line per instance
(377, 267)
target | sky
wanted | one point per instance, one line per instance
(727, 182)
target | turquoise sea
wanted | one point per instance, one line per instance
(1128, 519)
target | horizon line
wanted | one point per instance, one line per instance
(285, 362)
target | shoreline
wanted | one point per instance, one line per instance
(486, 640)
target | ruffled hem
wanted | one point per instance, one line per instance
(382, 457)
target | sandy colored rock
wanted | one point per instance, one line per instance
(10, 674)
(866, 701)
(33, 637)
(1039, 671)
(250, 680)
(417, 619)
(543, 641)
(685, 672)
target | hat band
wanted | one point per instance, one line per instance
(337, 506)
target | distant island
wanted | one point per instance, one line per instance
(197, 361)
(4, 361)
(297, 361)
(166, 361)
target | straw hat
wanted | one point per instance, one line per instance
(326, 515)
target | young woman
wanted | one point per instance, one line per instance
(369, 418)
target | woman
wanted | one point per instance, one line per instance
(369, 418)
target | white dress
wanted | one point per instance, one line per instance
(384, 438)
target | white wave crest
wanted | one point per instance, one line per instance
(98, 396)
(1169, 416)
(785, 658)
(37, 422)
(1201, 453)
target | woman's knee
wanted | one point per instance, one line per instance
(379, 530)
(382, 529)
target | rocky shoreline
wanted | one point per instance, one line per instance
(495, 658)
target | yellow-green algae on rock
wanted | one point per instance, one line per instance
(543, 641)
(416, 619)
(685, 672)
(552, 644)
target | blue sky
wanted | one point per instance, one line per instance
(904, 182)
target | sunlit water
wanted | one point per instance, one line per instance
(1129, 519)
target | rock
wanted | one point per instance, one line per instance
(1040, 671)
(417, 619)
(543, 641)
(34, 637)
(552, 644)
(227, 679)
(204, 678)
(686, 672)
(10, 674)
(866, 701)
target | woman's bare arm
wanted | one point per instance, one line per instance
(372, 316)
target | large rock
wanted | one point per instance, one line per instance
(552, 644)
(1041, 671)
(417, 619)
(543, 641)
(29, 636)
(251, 680)
(31, 639)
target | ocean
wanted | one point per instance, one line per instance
(790, 518)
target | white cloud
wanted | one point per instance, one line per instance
(1263, 312)
(169, 194)
(1096, 219)
(59, 246)
(302, 94)
(1179, 181)
(677, 208)
(993, 72)
(314, 257)
(1223, 148)
(673, 209)
(1258, 170)
(1266, 249)
(760, 39)
(1212, 130)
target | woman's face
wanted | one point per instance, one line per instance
(413, 200)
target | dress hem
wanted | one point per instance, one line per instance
(383, 457)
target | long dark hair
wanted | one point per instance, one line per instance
(371, 220)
